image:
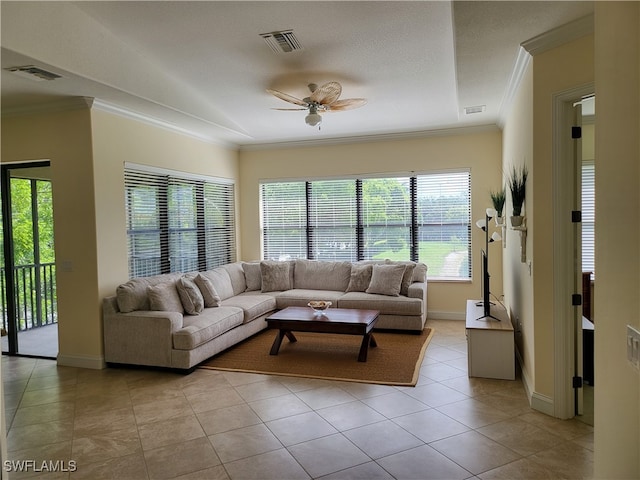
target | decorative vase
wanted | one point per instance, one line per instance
(516, 220)
(499, 221)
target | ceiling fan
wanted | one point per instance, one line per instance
(322, 99)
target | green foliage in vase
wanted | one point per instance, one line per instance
(498, 198)
(517, 182)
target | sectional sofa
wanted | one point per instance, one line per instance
(178, 320)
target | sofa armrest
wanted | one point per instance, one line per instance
(140, 337)
(419, 290)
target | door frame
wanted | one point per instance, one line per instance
(9, 260)
(564, 174)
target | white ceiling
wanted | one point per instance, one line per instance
(203, 67)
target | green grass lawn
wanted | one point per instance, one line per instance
(432, 254)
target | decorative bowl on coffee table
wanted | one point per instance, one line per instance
(319, 306)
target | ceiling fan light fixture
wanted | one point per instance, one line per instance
(313, 118)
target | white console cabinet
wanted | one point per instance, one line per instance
(490, 343)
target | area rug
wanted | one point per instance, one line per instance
(395, 361)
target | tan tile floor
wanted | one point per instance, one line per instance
(146, 424)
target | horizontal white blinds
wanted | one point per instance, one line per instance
(332, 220)
(444, 227)
(588, 216)
(284, 220)
(424, 218)
(177, 224)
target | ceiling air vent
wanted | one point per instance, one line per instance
(476, 109)
(33, 73)
(282, 42)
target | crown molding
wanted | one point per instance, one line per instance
(63, 105)
(522, 62)
(381, 137)
(156, 122)
(560, 35)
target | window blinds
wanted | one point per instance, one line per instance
(588, 216)
(424, 218)
(177, 223)
(284, 220)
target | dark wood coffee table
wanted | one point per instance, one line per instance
(349, 321)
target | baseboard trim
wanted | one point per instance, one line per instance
(537, 401)
(543, 404)
(81, 361)
(436, 315)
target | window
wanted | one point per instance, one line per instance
(588, 216)
(177, 222)
(444, 231)
(423, 218)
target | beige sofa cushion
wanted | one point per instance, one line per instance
(209, 293)
(252, 275)
(300, 298)
(236, 275)
(387, 305)
(321, 275)
(386, 279)
(132, 295)
(420, 273)
(221, 281)
(254, 304)
(190, 294)
(407, 278)
(360, 277)
(276, 276)
(164, 297)
(211, 323)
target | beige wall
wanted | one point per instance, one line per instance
(554, 71)
(480, 151)
(64, 138)
(88, 150)
(517, 140)
(117, 141)
(617, 289)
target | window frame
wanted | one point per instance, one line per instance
(414, 223)
(165, 188)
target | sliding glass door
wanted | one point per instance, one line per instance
(27, 262)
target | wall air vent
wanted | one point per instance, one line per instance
(476, 109)
(33, 73)
(282, 42)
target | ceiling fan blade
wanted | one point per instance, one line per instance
(346, 104)
(327, 93)
(287, 98)
(289, 109)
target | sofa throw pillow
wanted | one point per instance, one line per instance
(164, 297)
(253, 276)
(420, 273)
(221, 281)
(360, 277)
(209, 294)
(275, 276)
(190, 295)
(386, 279)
